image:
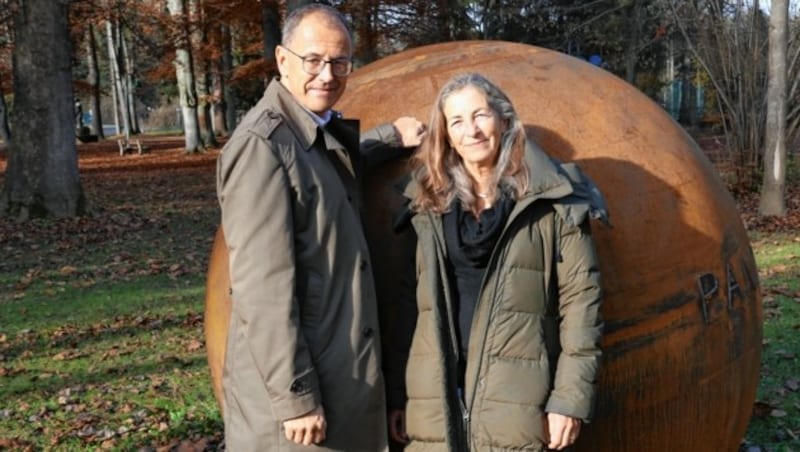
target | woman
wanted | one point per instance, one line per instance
(505, 351)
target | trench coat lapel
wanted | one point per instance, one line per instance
(339, 136)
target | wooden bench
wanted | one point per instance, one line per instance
(129, 145)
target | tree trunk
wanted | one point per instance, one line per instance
(184, 73)
(453, 19)
(129, 83)
(112, 73)
(688, 110)
(228, 99)
(199, 41)
(217, 102)
(772, 189)
(204, 110)
(42, 177)
(490, 20)
(217, 93)
(5, 131)
(93, 79)
(118, 71)
(631, 48)
(366, 36)
(271, 32)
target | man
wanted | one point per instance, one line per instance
(302, 367)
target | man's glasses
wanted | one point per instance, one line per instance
(313, 65)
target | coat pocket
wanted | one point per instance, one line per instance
(552, 341)
(310, 300)
(510, 413)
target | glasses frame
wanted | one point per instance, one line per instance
(325, 62)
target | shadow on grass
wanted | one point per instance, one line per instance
(96, 376)
(205, 434)
(72, 338)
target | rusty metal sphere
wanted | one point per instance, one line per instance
(682, 308)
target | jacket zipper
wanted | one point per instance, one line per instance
(465, 420)
(491, 268)
(466, 409)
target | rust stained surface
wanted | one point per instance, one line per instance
(676, 375)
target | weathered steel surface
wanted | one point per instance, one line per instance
(682, 309)
(217, 311)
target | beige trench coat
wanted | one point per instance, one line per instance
(304, 323)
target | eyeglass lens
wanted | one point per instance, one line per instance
(315, 65)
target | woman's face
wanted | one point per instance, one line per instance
(473, 128)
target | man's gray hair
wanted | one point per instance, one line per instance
(296, 16)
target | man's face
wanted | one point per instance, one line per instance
(316, 35)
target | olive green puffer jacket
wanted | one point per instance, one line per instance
(534, 342)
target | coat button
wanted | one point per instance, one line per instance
(363, 265)
(367, 332)
(297, 387)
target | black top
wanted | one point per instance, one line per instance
(470, 242)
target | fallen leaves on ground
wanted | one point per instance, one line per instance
(150, 214)
(747, 203)
(164, 200)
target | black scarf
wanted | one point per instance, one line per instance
(476, 237)
(470, 242)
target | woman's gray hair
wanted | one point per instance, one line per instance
(294, 18)
(512, 137)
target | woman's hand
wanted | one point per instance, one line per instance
(397, 426)
(561, 430)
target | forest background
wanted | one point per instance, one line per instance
(101, 284)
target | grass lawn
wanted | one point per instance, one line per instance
(101, 317)
(776, 421)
